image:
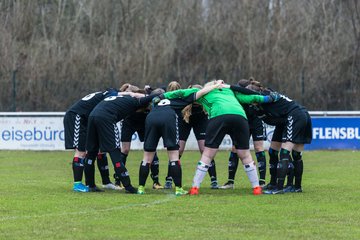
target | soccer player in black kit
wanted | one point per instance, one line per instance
(136, 123)
(103, 133)
(75, 126)
(293, 129)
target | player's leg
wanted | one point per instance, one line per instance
(274, 149)
(258, 133)
(212, 167)
(75, 138)
(103, 166)
(176, 170)
(145, 169)
(250, 169)
(90, 171)
(92, 147)
(261, 159)
(117, 159)
(184, 131)
(240, 134)
(295, 135)
(125, 149)
(289, 187)
(109, 141)
(282, 167)
(199, 122)
(170, 133)
(298, 166)
(127, 131)
(78, 169)
(232, 168)
(182, 143)
(202, 168)
(154, 167)
(153, 126)
(215, 132)
(305, 138)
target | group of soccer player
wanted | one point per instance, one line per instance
(212, 111)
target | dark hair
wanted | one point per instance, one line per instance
(157, 91)
(243, 82)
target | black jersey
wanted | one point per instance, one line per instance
(251, 113)
(137, 118)
(116, 108)
(84, 106)
(276, 113)
(176, 104)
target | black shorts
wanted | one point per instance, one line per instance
(198, 123)
(277, 134)
(75, 131)
(128, 128)
(103, 135)
(234, 125)
(161, 122)
(257, 129)
(298, 128)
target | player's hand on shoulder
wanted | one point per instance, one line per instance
(275, 96)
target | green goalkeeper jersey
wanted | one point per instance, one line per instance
(219, 101)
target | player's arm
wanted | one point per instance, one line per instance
(245, 95)
(243, 90)
(148, 98)
(248, 99)
(208, 88)
(181, 93)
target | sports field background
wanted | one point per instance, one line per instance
(37, 202)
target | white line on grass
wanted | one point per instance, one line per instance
(170, 197)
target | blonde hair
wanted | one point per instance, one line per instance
(172, 86)
(186, 112)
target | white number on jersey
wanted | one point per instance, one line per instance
(89, 96)
(164, 102)
(112, 98)
(286, 98)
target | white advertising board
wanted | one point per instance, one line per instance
(31, 133)
(35, 132)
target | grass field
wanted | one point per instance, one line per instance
(36, 202)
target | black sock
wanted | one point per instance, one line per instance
(116, 177)
(233, 164)
(273, 162)
(282, 167)
(212, 171)
(143, 173)
(155, 169)
(290, 173)
(176, 173)
(298, 168)
(117, 158)
(168, 177)
(102, 163)
(261, 159)
(90, 169)
(78, 168)
(124, 158)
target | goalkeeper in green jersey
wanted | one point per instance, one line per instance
(226, 116)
